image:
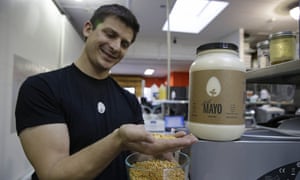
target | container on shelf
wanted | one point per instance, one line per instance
(282, 47)
(263, 53)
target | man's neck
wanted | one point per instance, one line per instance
(90, 70)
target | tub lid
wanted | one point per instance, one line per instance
(217, 45)
(282, 34)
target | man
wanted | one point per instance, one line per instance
(77, 122)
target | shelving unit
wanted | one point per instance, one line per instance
(283, 73)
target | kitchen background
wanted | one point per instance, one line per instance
(35, 36)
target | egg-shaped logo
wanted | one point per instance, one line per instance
(101, 107)
(213, 87)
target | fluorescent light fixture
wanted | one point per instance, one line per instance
(149, 72)
(294, 12)
(192, 16)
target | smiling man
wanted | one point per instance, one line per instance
(77, 122)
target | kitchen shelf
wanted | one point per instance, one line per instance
(283, 73)
(275, 103)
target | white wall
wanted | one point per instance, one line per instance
(71, 44)
(34, 30)
(237, 38)
(156, 50)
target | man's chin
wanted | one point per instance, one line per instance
(108, 66)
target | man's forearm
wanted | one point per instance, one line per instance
(90, 161)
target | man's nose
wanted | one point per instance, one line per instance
(116, 44)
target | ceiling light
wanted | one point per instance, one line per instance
(149, 72)
(294, 12)
(191, 16)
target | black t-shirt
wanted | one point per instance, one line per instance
(91, 109)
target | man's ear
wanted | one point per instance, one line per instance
(87, 29)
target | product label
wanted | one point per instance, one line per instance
(217, 97)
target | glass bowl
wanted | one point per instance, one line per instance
(169, 166)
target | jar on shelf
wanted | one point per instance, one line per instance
(282, 47)
(263, 54)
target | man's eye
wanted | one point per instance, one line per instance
(110, 35)
(125, 44)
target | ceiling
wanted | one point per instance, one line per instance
(258, 18)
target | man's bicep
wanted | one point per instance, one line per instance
(45, 145)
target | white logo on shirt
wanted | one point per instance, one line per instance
(101, 107)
